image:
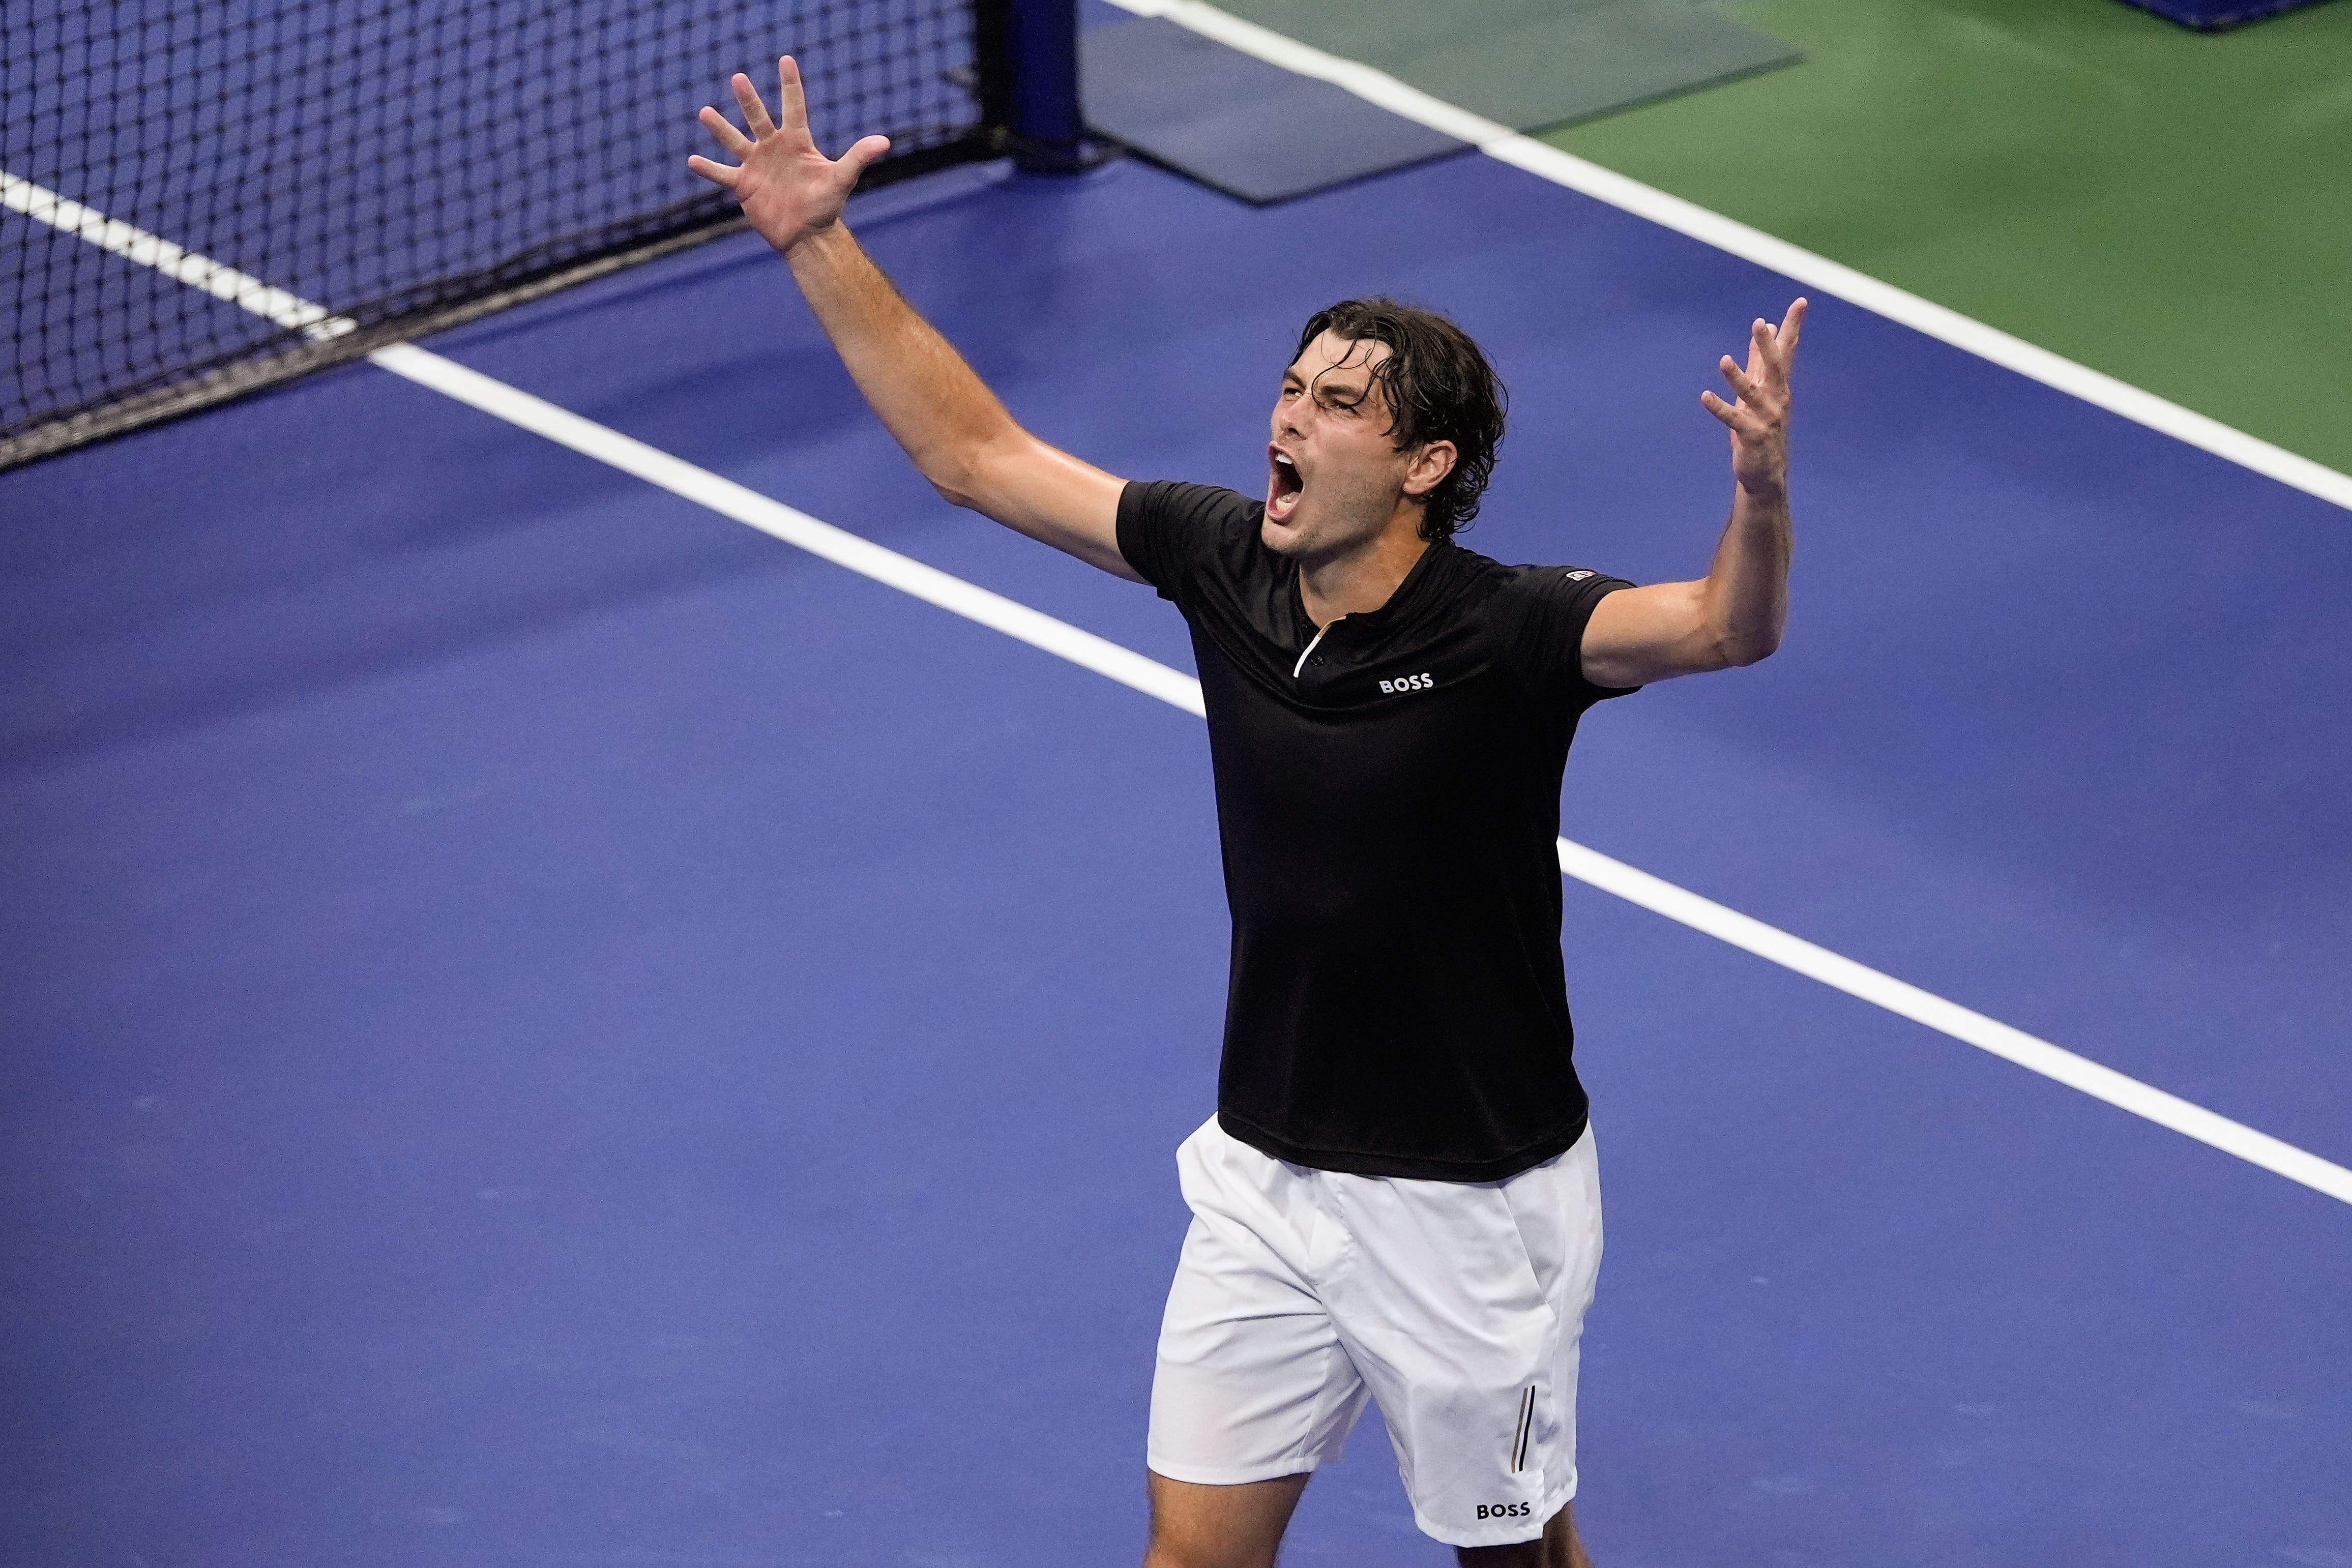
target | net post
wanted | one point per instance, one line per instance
(1028, 59)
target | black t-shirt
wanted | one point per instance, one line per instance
(1388, 795)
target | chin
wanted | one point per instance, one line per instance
(1282, 538)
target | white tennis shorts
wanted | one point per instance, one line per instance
(1457, 1305)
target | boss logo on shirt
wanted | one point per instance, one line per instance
(1420, 682)
(1504, 1510)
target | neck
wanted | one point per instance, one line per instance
(1366, 575)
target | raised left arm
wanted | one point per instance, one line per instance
(1734, 614)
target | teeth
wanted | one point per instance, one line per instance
(1286, 462)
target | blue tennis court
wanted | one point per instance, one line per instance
(547, 1027)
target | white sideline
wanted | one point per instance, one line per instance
(223, 282)
(1815, 272)
(1130, 668)
(1896, 996)
(838, 546)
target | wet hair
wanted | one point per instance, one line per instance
(1438, 387)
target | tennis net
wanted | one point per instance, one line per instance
(210, 195)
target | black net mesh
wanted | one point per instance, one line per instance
(385, 162)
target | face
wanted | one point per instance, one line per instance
(1335, 478)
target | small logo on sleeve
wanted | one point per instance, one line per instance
(1420, 682)
(1578, 576)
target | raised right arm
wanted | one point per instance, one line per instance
(958, 434)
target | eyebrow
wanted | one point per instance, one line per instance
(1342, 391)
(1345, 394)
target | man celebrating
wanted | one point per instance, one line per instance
(1397, 1198)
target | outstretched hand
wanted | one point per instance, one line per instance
(1759, 419)
(787, 188)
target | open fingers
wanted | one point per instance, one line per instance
(1744, 383)
(1759, 348)
(755, 113)
(791, 101)
(1730, 413)
(1774, 348)
(722, 130)
(716, 173)
(1791, 324)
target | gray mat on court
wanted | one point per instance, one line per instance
(1531, 63)
(1248, 129)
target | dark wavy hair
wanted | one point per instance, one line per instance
(1438, 386)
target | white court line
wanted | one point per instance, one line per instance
(1815, 272)
(1896, 996)
(838, 546)
(568, 429)
(1130, 668)
(216, 278)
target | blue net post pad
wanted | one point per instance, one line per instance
(2212, 15)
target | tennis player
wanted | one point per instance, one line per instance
(1397, 1198)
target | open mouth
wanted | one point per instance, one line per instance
(1284, 488)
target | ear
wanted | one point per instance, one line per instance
(1428, 467)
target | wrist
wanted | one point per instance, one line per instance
(816, 245)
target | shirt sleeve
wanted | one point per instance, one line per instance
(1555, 604)
(1174, 533)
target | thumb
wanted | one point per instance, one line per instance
(855, 161)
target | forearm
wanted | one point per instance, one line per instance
(958, 434)
(930, 401)
(1735, 613)
(1745, 595)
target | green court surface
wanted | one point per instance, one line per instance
(2173, 208)
(1529, 63)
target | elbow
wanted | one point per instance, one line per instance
(965, 471)
(957, 479)
(1731, 631)
(1738, 650)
